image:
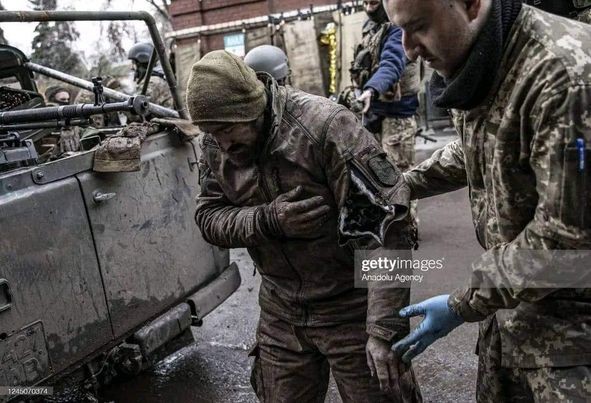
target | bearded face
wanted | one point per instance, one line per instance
(375, 11)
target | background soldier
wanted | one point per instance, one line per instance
(271, 60)
(275, 179)
(387, 84)
(69, 137)
(158, 90)
(519, 83)
(57, 95)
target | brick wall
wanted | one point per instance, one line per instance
(233, 13)
(288, 5)
(191, 13)
(194, 13)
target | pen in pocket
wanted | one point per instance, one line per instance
(581, 152)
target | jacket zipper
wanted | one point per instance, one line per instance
(269, 197)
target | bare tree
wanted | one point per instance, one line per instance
(162, 8)
(116, 31)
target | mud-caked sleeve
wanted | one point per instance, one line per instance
(372, 199)
(551, 252)
(444, 172)
(368, 187)
(226, 225)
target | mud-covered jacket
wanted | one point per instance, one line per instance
(321, 146)
(380, 64)
(518, 155)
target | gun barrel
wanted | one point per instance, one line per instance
(136, 105)
(156, 110)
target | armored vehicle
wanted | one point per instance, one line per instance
(100, 272)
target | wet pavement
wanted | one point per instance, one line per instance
(216, 368)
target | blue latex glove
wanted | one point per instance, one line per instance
(439, 321)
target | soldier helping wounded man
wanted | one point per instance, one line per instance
(518, 82)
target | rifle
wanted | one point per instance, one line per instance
(425, 137)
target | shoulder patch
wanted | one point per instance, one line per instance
(384, 170)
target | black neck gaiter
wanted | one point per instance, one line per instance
(379, 16)
(471, 85)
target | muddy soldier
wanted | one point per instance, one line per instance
(519, 83)
(158, 90)
(295, 179)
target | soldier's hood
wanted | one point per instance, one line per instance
(276, 100)
(379, 16)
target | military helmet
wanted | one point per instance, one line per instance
(269, 59)
(141, 52)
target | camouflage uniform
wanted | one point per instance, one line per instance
(398, 140)
(312, 316)
(158, 91)
(585, 16)
(516, 153)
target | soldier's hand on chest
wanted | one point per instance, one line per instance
(300, 218)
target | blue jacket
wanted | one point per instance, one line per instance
(390, 69)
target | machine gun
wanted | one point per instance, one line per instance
(19, 129)
(34, 124)
(67, 115)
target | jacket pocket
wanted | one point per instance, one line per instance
(575, 188)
